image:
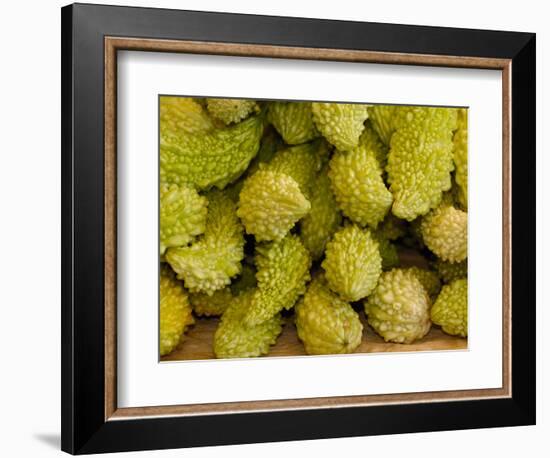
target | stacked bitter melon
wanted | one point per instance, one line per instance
(297, 214)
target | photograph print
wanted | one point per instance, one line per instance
(293, 228)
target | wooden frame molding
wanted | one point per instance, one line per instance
(114, 44)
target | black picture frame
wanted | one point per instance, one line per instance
(84, 426)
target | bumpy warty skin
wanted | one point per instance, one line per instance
(270, 143)
(371, 141)
(283, 271)
(450, 310)
(399, 308)
(214, 305)
(413, 236)
(183, 115)
(450, 271)
(339, 185)
(392, 227)
(298, 162)
(381, 117)
(447, 198)
(270, 203)
(445, 233)
(388, 250)
(420, 160)
(324, 218)
(175, 311)
(234, 189)
(210, 262)
(216, 157)
(352, 263)
(323, 152)
(231, 110)
(245, 281)
(182, 215)
(356, 178)
(233, 339)
(293, 161)
(460, 157)
(293, 121)
(325, 323)
(340, 123)
(429, 279)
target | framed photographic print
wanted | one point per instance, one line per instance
(284, 228)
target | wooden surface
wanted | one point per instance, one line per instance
(197, 342)
(297, 52)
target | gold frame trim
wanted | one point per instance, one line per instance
(114, 44)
